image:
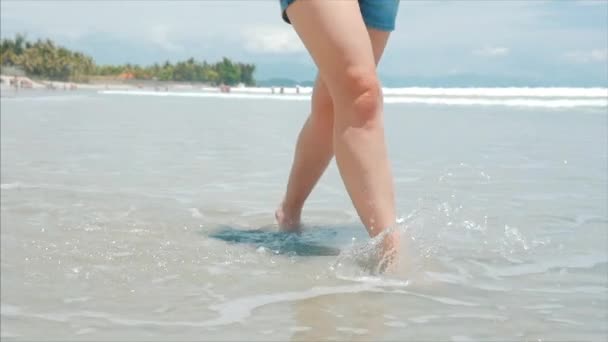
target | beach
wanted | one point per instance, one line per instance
(143, 214)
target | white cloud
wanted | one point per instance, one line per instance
(491, 51)
(432, 37)
(160, 36)
(590, 56)
(272, 40)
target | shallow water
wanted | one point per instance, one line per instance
(151, 218)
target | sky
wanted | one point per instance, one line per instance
(437, 43)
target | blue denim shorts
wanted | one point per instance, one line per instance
(377, 14)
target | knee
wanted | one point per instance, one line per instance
(363, 94)
(322, 107)
(322, 103)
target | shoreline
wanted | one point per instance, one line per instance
(26, 83)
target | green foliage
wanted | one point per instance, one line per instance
(224, 72)
(44, 59)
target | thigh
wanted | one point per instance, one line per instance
(379, 39)
(321, 99)
(336, 37)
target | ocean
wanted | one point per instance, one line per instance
(143, 215)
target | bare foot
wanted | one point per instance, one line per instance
(390, 252)
(287, 221)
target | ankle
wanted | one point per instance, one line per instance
(290, 210)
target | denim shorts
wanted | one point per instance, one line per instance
(377, 14)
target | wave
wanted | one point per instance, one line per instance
(524, 97)
(230, 312)
(516, 102)
(596, 92)
(502, 92)
(11, 186)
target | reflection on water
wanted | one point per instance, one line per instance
(309, 242)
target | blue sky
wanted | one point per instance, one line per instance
(501, 42)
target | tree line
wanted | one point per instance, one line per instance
(45, 59)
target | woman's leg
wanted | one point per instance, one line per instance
(335, 35)
(314, 148)
(314, 151)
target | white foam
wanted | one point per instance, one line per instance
(525, 97)
(206, 95)
(501, 92)
(230, 312)
(512, 102)
(10, 186)
(568, 92)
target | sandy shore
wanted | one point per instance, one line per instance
(27, 83)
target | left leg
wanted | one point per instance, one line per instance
(313, 153)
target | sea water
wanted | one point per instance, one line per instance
(150, 216)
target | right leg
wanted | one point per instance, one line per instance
(335, 35)
(314, 147)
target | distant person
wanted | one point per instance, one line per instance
(346, 40)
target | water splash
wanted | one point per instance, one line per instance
(443, 236)
(359, 261)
